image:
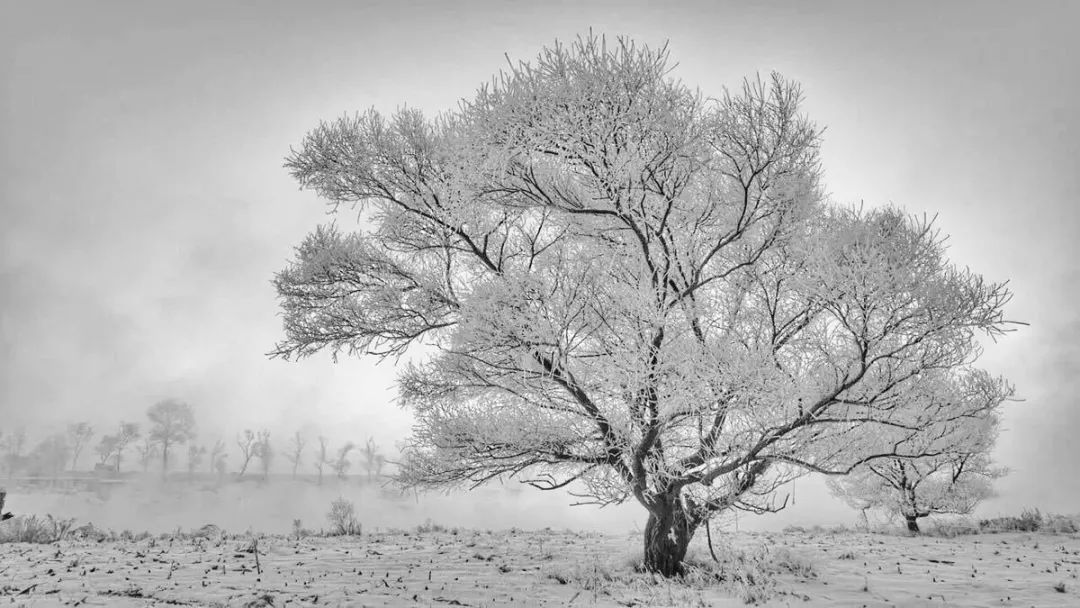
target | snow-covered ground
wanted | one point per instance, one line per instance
(542, 568)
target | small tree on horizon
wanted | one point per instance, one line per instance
(194, 459)
(147, 451)
(78, 436)
(13, 444)
(341, 463)
(172, 423)
(296, 445)
(373, 460)
(321, 458)
(953, 476)
(248, 444)
(264, 451)
(217, 459)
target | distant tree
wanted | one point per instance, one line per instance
(14, 443)
(50, 457)
(78, 436)
(952, 477)
(105, 448)
(172, 423)
(128, 433)
(264, 451)
(322, 458)
(217, 459)
(373, 460)
(147, 450)
(341, 462)
(250, 443)
(626, 287)
(296, 449)
(195, 457)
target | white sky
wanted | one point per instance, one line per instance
(144, 209)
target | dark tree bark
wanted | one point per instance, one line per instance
(668, 533)
(912, 523)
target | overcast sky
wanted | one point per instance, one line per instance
(145, 207)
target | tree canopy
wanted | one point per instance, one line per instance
(628, 289)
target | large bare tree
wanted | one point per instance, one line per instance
(628, 290)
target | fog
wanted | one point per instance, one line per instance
(144, 211)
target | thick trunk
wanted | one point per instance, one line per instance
(667, 536)
(912, 523)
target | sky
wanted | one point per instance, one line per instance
(144, 208)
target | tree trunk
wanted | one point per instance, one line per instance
(912, 523)
(667, 536)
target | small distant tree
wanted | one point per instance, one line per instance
(217, 459)
(13, 445)
(78, 436)
(296, 449)
(50, 457)
(128, 433)
(322, 458)
(250, 443)
(954, 473)
(172, 423)
(146, 450)
(341, 462)
(264, 451)
(105, 448)
(373, 460)
(195, 457)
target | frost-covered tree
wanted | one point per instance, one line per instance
(627, 289)
(296, 451)
(147, 450)
(50, 457)
(172, 423)
(264, 451)
(373, 460)
(111, 447)
(954, 473)
(217, 459)
(322, 458)
(248, 442)
(78, 435)
(341, 463)
(195, 456)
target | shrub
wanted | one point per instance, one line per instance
(342, 517)
(34, 529)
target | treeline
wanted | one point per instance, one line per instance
(168, 442)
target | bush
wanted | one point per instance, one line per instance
(34, 529)
(342, 517)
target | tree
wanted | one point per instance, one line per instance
(217, 459)
(78, 434)
(13, 445)
(628, 290)
(341, 462)
(195, 457)
(105, 448)
(49, 457)
(373, 460)
(172, 422)
(250, 445)
(147, 451)
(129, 432)
(264, 451)
(321, 459)
(296, 443)
(954, 474)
